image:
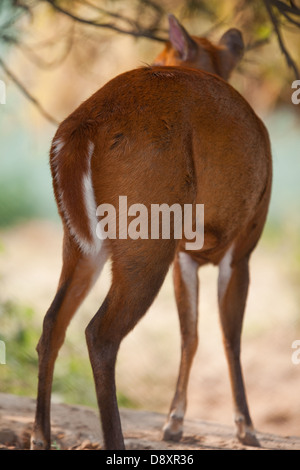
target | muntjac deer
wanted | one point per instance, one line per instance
(169, 133)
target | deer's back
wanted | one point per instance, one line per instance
(176, 135)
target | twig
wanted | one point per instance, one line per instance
(141, 33)
(39, 61)
(256, 44)
(28, 95)
(289, 60)
(110, 13)
(284, 7)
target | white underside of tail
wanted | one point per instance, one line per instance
(90, 203)
(87, 246)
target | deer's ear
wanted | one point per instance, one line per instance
(181, 41)
(233, 41)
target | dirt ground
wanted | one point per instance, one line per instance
(149, 357)
(77, 428)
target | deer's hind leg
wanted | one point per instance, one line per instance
(138, 271)
(79, 272)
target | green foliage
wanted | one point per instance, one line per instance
(20, 335)
(20, 331)
(124, 401)
(25, 179)
(73, 380)
(18, 200)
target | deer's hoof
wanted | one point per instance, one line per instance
(173, 429)
(38, 442)
(248, 438)
(245, 432)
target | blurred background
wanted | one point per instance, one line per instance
(54, 55)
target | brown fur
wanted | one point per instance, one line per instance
(161, 134)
